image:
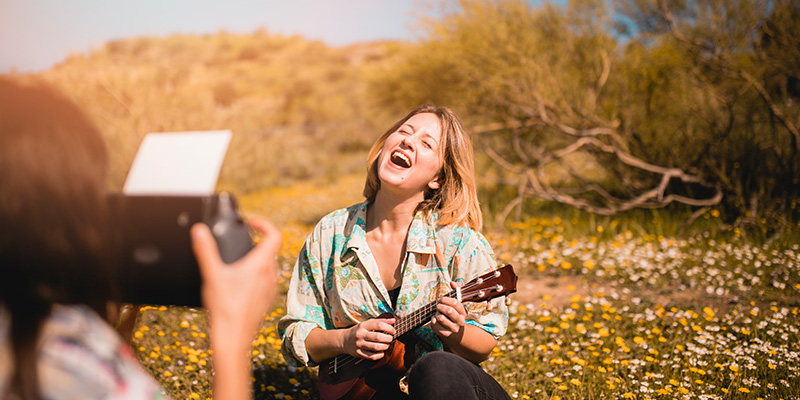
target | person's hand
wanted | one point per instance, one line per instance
(238, 293)
(370, 338)
(450, 319)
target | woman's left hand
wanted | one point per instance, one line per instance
(450, 319)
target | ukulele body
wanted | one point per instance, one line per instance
(362, 379)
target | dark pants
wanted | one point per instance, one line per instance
(441, 375)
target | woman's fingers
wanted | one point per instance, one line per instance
(375, 331)
(370, 355)
(452, 309)
(373, 346)
(444, 326)
(372, 337)
(379, 325)
(378, 337)
(450, 318)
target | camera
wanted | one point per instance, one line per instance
(154, 249)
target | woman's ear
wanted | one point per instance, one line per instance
(434, 184)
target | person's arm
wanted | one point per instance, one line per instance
(468, 341)
(471, 330)
(236, 295)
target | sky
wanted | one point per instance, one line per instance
(37, 34)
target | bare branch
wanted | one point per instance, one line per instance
(502, 161)
(652, 198)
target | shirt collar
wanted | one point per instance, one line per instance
(421, 234)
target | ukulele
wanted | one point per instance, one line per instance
(349, 377)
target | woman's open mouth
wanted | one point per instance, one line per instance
(400, 159)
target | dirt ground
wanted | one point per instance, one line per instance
(555, 292)
(547, 292)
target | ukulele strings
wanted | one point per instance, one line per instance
(408, 322)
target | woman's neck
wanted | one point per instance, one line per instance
(390, 213)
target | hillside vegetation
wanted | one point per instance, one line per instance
(297, 108)
(652, 104)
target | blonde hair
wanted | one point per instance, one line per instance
(456, 199)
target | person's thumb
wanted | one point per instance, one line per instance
(205, 249)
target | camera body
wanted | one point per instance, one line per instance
(151, 237)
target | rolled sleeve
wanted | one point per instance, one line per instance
(304, 308)
(293, 347)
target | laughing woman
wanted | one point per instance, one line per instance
(413, 240)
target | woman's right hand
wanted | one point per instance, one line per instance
(370, 338)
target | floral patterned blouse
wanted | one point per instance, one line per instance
(81, 357)
(336, 282)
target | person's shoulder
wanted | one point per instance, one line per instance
(81, 353)
(459, 233)
(81, 325)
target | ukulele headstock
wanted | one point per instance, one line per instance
(499, 282)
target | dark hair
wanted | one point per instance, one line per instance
(456, 199)
(53, 222)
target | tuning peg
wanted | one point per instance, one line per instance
(508, 301)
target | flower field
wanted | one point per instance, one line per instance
(606, 315)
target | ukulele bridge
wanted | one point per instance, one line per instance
(335, 366)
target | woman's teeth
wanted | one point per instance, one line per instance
(401, 159)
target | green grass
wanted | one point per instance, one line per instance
(604, 310)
